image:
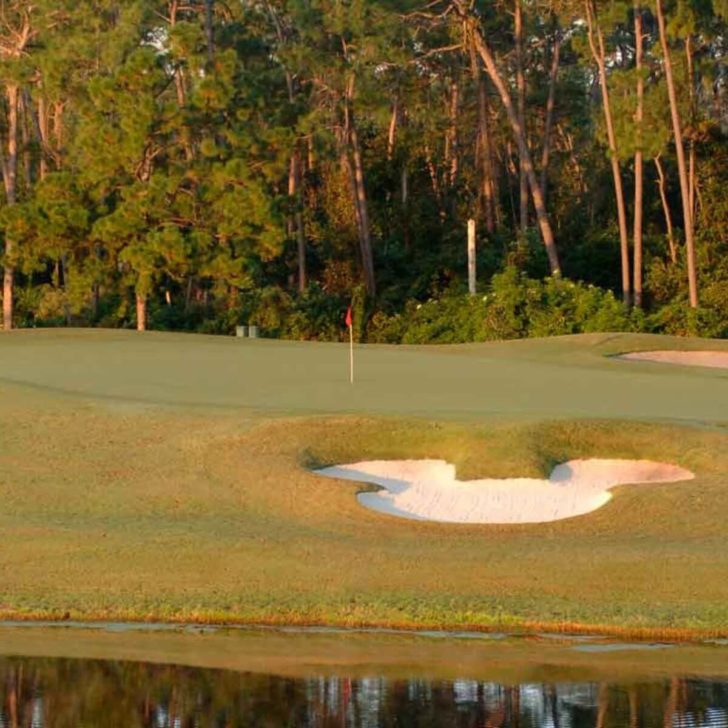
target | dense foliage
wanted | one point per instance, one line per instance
(194, 164)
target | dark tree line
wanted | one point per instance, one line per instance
(197, 163)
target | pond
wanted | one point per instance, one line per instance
(446, 681)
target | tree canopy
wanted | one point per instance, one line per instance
(194, 164)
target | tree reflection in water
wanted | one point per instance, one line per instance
(60, 693)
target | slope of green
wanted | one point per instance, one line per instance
(114, 506)
(560, 377)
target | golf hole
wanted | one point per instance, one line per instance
(428, 490)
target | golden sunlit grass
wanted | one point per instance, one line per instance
(111, 509)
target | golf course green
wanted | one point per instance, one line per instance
(156, 476)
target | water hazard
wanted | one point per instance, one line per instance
(39, 692)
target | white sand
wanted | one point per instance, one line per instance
(428, 489)
(716, 359)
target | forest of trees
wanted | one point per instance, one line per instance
(196, 164)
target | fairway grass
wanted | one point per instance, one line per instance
(168, 477)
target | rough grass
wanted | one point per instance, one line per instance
(115, 506)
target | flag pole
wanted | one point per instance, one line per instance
(350, 325)
(351, 353)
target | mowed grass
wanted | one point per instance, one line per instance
(563, 377)
(168, 477)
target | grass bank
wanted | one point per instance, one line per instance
(357, 655)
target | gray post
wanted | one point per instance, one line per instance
(471, 256)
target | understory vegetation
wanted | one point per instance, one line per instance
(195, 166)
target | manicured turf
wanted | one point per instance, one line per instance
(561, 377)
(165, 476)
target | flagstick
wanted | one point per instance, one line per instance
(351, 354)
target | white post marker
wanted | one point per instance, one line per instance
(350, 325)
(471, 256)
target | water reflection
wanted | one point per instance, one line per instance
(55, 693)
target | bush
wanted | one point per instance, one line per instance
(667, 283)
(514, 307)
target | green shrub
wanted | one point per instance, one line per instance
(514, 306)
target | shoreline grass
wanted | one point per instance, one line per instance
(511, 628)
(508, 660)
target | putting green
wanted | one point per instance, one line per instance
(565, 377)
(167, 476)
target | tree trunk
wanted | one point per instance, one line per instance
(364, 232)
(188, 292)
(453, 133)
(295, 175)
(10, 175)
(554, 705)
(8, 276)
(603, 705)
(434, 180)
(483, 144)
(496, 164)
(141, 312)
(180, 88)
(349, 172)
(351, 139)
(681, 165)
(43, 133)
(520, 136)
(25, 136)
(638, 163)
(549, 119)
(521, 105)
(209, 30)
(406, 235)
(37, 118)
(488, 192)
(392, 133)
(511, 170)
(666, 210)
(691, 143)
(671, 702)
(12, 700)
(58, 129)
(296, 222)
(599, 54)
(633, 707)
(567, 141)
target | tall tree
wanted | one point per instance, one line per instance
(599, 53)
(518, 131)
(16, 33)
(680, 153)
(550, 104)
(638, 158)
(521, 107)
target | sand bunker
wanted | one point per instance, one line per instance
(716, 359)
(428, 490)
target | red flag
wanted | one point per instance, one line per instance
(348, 317)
